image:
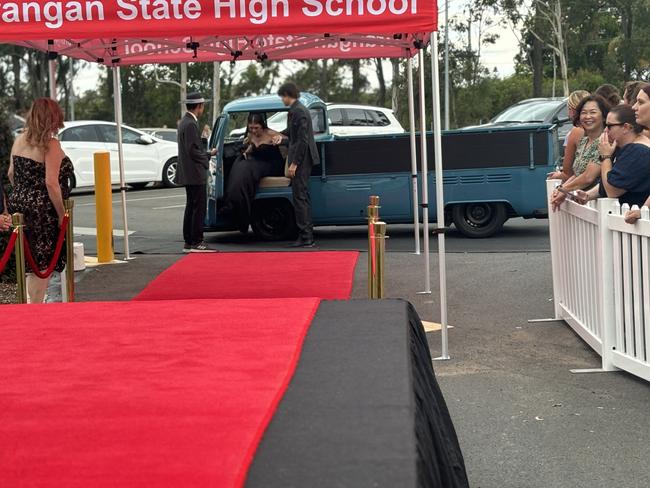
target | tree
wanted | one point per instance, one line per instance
(395, 87)
(381, 93)
(6, 142)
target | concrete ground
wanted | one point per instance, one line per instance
(523, 419)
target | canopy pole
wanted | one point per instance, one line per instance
(183, 88)
(440, 201)
(446, 64)
(414, 156)
(51, 67)
(425, 173)
(117, 98)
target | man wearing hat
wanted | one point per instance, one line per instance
(193, 164)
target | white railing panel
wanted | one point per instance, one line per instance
(575, 237)
(637, 299)
(582, 212)
(645, 283)
(585, 334)
(601, 279)
(627, 294)
(631, 288)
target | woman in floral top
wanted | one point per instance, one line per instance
(591, 115)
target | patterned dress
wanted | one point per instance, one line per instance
(585, 153)
(30, 197)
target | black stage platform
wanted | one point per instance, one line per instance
(363, 409)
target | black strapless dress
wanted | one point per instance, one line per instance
(30, 197)
(263, 160)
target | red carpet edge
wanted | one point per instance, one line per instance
(266, 420)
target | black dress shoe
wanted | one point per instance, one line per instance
(303, 243)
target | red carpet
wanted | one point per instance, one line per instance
(326, 275)
(142, 394)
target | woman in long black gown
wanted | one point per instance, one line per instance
(259, 159)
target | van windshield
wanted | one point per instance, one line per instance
(275, 120)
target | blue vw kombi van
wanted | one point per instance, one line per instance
(490, 174)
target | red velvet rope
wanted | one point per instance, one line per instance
(57, 251)
(9, 250)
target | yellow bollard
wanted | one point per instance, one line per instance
(69, 251)
(21, 277)
(104, 207)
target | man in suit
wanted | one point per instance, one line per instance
(302, 155)
(193, 164)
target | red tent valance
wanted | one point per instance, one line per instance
(118, 32)
(114, 52)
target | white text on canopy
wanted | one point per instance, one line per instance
(55, 13)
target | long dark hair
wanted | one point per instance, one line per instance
(625, 115)
(632, 89)
(600, 101)
(256, 118)
(610, 93)
(645, 89)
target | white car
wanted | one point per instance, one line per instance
(146, 158)
(163, 133)
(345, 120)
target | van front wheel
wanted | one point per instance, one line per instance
(479, 220)
(274, 220)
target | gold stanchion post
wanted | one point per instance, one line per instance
(373, 216)
(69, 266)
(21, 277)
(380, 249)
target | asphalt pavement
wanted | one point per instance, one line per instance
(523, 419)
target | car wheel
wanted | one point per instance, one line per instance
(479, 220)
(274, 220)
(139, 185)
(169, 173)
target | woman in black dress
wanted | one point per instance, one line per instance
(40, 174)
(259, 159)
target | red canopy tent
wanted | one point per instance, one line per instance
(124, 32)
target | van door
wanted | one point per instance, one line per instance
(215, 172)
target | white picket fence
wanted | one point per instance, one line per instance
(601, 280)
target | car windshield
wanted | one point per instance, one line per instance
(536, 111)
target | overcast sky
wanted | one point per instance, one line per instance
(499, 56)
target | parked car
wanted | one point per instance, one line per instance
(16, 124)
(552, 111)
(491, 175)
(146, 158)
(164, 133)
(345, 120)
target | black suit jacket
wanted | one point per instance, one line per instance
(302, 146)
(193, 160)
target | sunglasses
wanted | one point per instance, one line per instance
(609, 126)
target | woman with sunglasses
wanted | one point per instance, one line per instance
(642, 111)
(625, 160)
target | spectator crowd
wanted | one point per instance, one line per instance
(607, 152)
